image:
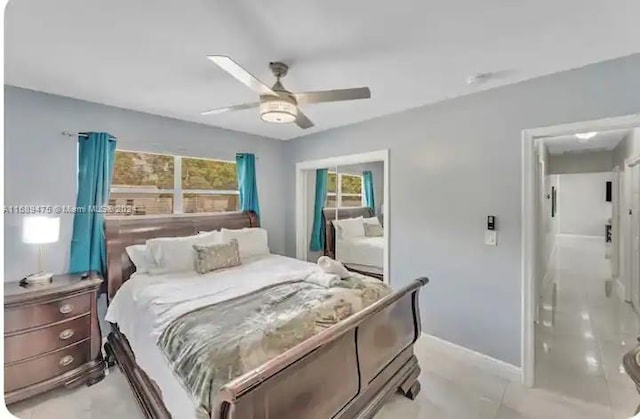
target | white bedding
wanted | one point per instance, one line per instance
(146, 304)
(368, 251)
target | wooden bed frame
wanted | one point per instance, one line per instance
(346, 371)
(631, 364)
(328, 216)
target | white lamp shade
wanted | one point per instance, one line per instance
(40, 230)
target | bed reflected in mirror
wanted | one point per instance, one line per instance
(352, 221)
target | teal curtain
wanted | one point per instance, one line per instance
(96, 153)
(317, 234)
(247, 186)
(369, 200)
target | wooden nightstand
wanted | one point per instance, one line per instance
(51, 336)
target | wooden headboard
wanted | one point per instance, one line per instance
(124, 231)
(329, 214)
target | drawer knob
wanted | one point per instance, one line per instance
(66, 308)
(66, 334)
(66, 360)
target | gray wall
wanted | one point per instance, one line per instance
(582, 208)
(587, 162)
(629, 147)
(451, 165)
(40, 163)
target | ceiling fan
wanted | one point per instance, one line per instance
(277, 104)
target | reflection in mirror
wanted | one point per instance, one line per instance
(321, 193)
(345, 216)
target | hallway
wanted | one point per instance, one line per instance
(580, 343)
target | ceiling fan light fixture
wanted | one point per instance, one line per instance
(278, 111)
(586, 135)
(277, 104)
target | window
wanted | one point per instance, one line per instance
(147, 183)
(344, 190)
(209, 185)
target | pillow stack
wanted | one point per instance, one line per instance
(252, 241)
(203, 252)
(358, 227)
(141, 258)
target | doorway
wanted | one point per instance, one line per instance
(534, 229)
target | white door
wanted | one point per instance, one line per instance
(634, 267)
(625, 233)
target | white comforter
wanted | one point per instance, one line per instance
(367, 251)
(146, 304)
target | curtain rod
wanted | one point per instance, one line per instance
(82, 134)
(74, 135)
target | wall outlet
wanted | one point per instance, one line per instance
(491, 237)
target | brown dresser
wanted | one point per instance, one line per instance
(51, 336)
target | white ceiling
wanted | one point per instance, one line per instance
(604, 141)
(150, 56)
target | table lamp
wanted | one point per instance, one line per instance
(40, 230)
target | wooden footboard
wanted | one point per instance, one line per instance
(346, 371)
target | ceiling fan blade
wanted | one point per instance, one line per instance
(302, 121)
(231, 108)
(332, 95)
(240, 74)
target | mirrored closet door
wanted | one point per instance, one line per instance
(345, 216)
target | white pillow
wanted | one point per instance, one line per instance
(141, 257)
(350, 227)
(252, 241)
(176, 254)
(371, 220)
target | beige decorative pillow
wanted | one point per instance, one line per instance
(216, 256)
(373, 230)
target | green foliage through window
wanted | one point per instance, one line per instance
(142, 169)
(347, 194)
(144, 184)
(332, 182)
(208, 174)
(351, 184)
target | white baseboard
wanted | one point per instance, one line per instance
(484, 362)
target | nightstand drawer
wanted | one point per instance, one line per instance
(40, 341)
(28, 316)
(35, 370)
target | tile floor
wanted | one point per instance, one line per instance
(582, 337)
(578, 366)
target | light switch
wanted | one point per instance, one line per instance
(491, 237)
